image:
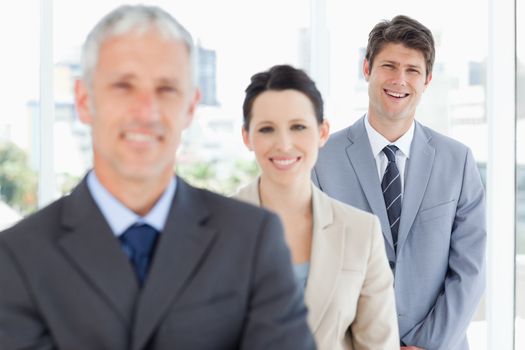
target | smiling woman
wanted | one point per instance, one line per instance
(337, 250)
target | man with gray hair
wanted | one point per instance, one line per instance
(135, 258)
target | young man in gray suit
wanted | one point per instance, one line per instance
(424, 187)
(135, 258)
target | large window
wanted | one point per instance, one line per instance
(520, 178)
(235, 39)
(19, 152)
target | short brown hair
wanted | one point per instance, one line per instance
(401, 30)
(278, 78)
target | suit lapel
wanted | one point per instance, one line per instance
(362, 160)
(326, 259)
(96, 253)
(182, 246)
(327, 251)
(418, 170)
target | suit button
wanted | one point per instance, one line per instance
(392, 265)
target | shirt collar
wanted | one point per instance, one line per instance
(378, 141)
(119, 217)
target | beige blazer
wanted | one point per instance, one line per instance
(349, 292)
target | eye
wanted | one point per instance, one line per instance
(413, 71)
(298, 127)
(122, 85)
(265, 129)
(166, 89)
(388, 66)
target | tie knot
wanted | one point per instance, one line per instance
(390, 152)
(140, 238)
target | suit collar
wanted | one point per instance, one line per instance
(180, 250)
(92, 248)
(417, 174)
(120, 217)
(94, 251)
(326, 258)
(250, 193)
(360, 155)
(418, 170)
(378, 141)
(327, 251)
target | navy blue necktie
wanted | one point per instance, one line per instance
(391, 186)
(139, 242)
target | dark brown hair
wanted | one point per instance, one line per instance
(401, 30)
(277, 78)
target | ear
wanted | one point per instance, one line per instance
(246, 138)
(324, 133)
(429, 78)
(82, 101)
(194, 102)
(366, 69)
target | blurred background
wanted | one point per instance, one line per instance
(45, 150)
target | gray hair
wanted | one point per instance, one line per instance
(133, 18)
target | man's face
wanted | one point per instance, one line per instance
(141, 100)
(396, 83)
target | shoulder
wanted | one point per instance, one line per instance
(249, 193)
(337, 139)
(221, 203)
(234, 212)
(35, 232)
(441, 142)
(340, 140)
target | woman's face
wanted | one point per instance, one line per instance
(285, 136)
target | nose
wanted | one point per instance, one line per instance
(146, 106)
(284, 141)
(399, 77)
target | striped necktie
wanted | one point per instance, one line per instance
(391, 186)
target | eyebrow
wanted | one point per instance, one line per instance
(161, 80)
(168, 81)
(122, 76)
(298, 120)
(395, 63)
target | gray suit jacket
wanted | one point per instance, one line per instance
(439, 265)
(221, 278)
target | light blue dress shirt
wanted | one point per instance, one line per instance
(301, 273)
(119, 217)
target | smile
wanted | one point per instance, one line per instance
(284, 163)
(140, 137)
(396, 94)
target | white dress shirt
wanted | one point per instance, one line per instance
(378, 142)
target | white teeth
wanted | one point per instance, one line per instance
(395, 94)
(284, 162)
(139, 137)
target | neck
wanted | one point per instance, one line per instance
(295, 197)
(138, 195)
(391, 129)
